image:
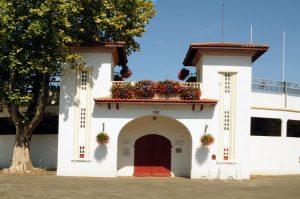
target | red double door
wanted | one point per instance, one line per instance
(152, 156)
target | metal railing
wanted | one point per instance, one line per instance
(277, 87)
(258, 85)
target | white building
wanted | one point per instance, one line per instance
(255, 123)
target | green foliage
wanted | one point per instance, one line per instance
(35, 36)
(32, 43)
(110, 20)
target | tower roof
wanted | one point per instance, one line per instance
(197, 50)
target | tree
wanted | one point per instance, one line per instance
(35, 36)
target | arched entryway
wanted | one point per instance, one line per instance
(152, 156)
(175, 132)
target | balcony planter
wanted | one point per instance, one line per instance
(144, 89)
(190, 93)
(102, 138)
(122, 91)
(168, 89)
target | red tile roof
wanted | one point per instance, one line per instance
(196, 50)
(154, 101)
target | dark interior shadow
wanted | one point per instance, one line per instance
(201, 155)
(100, 153)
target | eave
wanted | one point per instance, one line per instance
(197, 50)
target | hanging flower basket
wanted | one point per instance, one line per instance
(183, 73)
(102, 138)
(207, 140)
(125, 72)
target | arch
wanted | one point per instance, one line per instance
(170, 128)
(152, 156)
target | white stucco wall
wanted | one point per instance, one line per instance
(275, 155)
(101, 66)
(211, 83)
(129, 123)
(103, 160)
(43, 150)
(272, 100)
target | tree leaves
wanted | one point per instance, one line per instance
(35, 36)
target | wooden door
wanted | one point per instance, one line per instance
(152, 156)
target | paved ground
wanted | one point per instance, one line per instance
(41, 186)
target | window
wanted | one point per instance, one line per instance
(84, 79)
(265, 126)
(227, 82)
(293, 128)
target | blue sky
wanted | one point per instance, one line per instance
(181, 22)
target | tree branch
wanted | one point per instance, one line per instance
(41, 103)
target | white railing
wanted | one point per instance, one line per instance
(191, 84)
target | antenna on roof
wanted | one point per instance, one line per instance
(283, 57)
(222, 22)
(283, 70)
(251, 34)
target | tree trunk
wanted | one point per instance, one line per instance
(21, 161)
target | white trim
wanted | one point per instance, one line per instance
(76, 119)
(231, 91)
(276, 109)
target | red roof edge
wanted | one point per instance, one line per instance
(256, 49)
(104, 100)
